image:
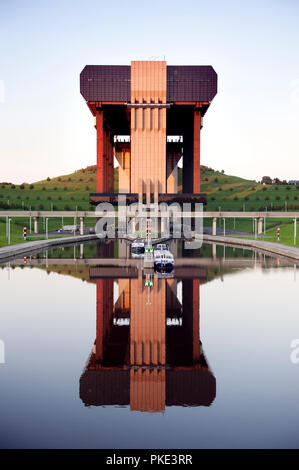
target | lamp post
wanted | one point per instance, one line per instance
(9, 220)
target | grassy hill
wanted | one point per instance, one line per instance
(226, 192)
(71, 192)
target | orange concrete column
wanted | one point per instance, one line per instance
(147, 345)
(148, 123)
(196, 152)
(100, 151)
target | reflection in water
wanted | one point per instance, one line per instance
(147, 352)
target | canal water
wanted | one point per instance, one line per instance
(102, 356)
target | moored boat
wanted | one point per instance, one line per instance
(163, 258)
(137, 246)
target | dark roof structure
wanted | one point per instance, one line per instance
(112, 83)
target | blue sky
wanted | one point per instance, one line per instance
(251, 128)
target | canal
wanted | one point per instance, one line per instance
(110, 356)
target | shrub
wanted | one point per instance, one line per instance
(288, 188)
(276, 188)
(80, 179)
(55, 188)
(252, 189)
(236, 198)
(219, 189)
(267, 198)
(241, 189)
(41, 206)
(48, 179)
(18, 197)
(277, 198)
(49, 198)
(87, 188)
(257, 198)
(59, 198)
(246, 198)
(44, 188)
(212, 198)
(76, 188)
(27, 197)
(64, 188)
(90, 178)
(231, 189)
(31, 186)
(296, 198)
(59, 179)
(72, 198)
(22, 186)
(13, 186)
(69, 178)
(215, 180)
(66, 207)
(264, 188)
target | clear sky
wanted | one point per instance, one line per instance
(251, 128)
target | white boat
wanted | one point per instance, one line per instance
(163, 258)
(137, 246)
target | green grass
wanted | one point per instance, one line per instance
(286, 235)
(71, 192)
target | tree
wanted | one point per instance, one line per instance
(266, 180)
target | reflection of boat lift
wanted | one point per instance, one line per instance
(148, 249)
(149, 282)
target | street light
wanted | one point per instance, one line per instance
(9, 220)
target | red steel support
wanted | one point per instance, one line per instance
(100, 320)
(100, 151)
(196, 336)
(196, 152)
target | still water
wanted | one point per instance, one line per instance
(200, 359)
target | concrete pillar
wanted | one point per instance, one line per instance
(133, 225)
(81, 226)
(35, 224)
(81, 250)
(214, 226)
(122, 154)
(173, 156)
(100, 151)
(260, 226)
(214, 251)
